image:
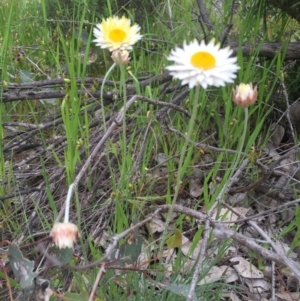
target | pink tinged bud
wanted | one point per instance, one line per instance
(64, 235)
(120, 57)
(244, 95)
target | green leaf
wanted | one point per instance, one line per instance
(83, 35)
(129, 251)
(175, 240)
(180, 289)
(76, 297)
(22, 267)
(64, 255)
(26, 76)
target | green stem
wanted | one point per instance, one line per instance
(124, 95)
(101, 93)
(68, 201)
(182, 159)
(240, 150)
(241, 143)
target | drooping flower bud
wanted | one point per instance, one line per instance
(64, 235)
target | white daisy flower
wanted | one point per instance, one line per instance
(201, 64)
(115, 33)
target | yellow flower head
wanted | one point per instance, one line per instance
(64, 234)
(115, 33)
(203, 64)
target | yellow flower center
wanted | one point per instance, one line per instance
(117, 35)
(203, 60)
(243, 88)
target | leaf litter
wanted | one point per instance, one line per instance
(276, 184)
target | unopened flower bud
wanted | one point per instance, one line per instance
(120, 57)
(64, 235)
(244, 95)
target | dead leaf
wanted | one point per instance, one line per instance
(157, 225)
(285, 249)
(258, 285)
(145, 256)
(195, 188)
(288, 296)
(187, 266)
(214, 274)
(229, 273)
(237, 198)
(245, 268)
(228, 216)
(278, 133)
(161, 159)
(231, 295)
(186, 248)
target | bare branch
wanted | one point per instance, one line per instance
(204, 16)
(291, 7)
(222, 232)
(269, 49)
